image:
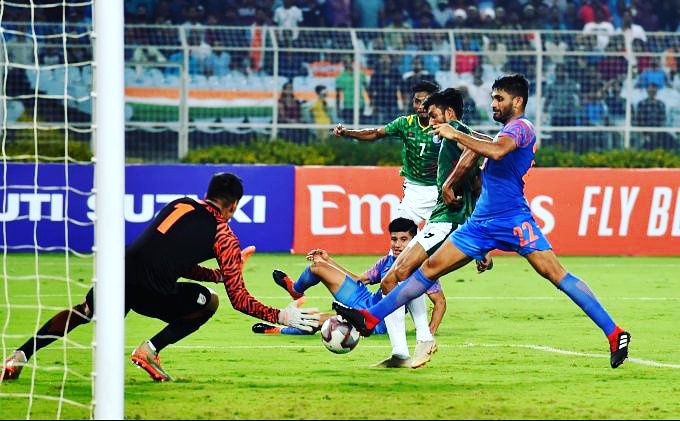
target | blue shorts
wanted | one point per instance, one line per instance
(520, 233)
(355, 294)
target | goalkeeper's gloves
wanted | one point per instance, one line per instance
(306, 319)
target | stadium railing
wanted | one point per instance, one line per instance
(195, 86)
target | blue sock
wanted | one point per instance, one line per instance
(307, 279)
(414, 286)
(579, 292)
(294, 331)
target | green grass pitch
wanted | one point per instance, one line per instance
(510, 347)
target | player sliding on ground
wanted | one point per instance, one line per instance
(185, 233)
(501, 220)
(351, 289)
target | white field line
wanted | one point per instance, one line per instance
(540, 348)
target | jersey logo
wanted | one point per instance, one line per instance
(411, 135)
(428, 235)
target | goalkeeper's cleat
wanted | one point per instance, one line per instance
(284, 282)
(618, 345)
(394, 361)
(13, 366)
(266, 329)
(149, 360)
(361, 319)
(423, 353)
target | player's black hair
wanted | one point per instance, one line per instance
(515, 84)
(225, 186)
(449, 97)
(403, 225)
(424, 86)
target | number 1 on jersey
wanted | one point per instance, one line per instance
(181, 209)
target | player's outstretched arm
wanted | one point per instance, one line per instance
(489, 149)
(368, 135)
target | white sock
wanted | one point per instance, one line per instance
(396, 329)
(153, 348)
(418, 311)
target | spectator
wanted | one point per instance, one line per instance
(488, 16)
(466, 54)
(320, 112)
(571, 19)
(442, 14)
(384, 90)
(616, 103)
(668, 12)
(312, 15)
(459, 18)
(245, 12)
(338, 13)
(288, 16)
(614, 64)
(495, 53)
(470, 115)
(631, 31)
(218, 62)
(654, 75)
(651, 112)
(419, 73)
(594, 112)
(529, 18)
(344, 93)
(586, 13)
(290, 112)
(602, 28)
(646, 16)
(478, 91)
(561, 104)
(369, 13)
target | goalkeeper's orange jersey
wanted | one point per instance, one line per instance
(185, 233)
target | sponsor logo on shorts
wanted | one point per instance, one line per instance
(201, 299)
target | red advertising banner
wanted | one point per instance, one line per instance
(581, 211)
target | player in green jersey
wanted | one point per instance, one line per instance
(419, 169)
(444, 106)
(418, 155)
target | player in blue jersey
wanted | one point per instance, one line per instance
(501, 220)
(351, 289)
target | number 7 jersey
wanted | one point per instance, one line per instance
(420, 151)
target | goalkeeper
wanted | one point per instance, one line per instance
(185, 233)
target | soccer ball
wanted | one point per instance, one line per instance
(338, 336)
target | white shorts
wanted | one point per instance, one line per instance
(432, 236)
(418, 202)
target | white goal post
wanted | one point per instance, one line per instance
(109, 186)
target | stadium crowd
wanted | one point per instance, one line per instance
(225, 40)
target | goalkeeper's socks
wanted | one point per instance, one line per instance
(414, 286)
(62, 322)
(579, 292)
(306, 280)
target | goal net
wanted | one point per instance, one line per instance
(47, 201)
